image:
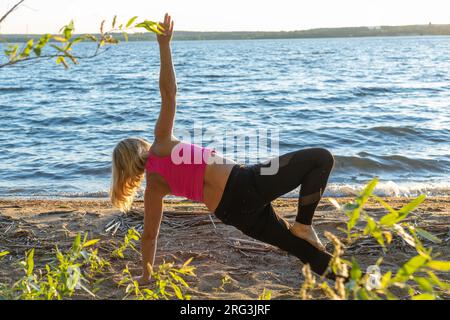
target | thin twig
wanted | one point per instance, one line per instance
(11, 10)
(48, 57)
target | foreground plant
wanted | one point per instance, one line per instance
(68, 272)
(168, 283)
(265, 295)
(129, 242)
(416, 278)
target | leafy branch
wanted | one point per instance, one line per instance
(60, 47)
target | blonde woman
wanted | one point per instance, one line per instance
(239, 195)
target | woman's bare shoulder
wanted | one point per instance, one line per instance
(163, 148)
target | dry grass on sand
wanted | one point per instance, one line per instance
(219, 251)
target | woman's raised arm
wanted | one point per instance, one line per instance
(167, 83)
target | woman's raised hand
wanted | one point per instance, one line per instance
(167, 25)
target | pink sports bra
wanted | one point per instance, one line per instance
(183, 170)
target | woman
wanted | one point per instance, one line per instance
(239, 195)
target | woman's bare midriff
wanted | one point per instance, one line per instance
(216, 177)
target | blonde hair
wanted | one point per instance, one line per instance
(128, 167)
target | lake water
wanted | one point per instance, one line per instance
(381, 105)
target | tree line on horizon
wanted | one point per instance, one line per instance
(381, 31)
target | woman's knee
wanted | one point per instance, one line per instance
(324, 158)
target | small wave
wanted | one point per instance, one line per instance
(79, 120)
(13, 89)
(368, 162)
(326, 52)
(371, 91)
(58, 89)
(413, 133)
(100, 171)
(382, 91)
(64, 80)
(396, 131)
(336, 98)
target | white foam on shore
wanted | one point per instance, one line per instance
(391, 189)
(383, 189)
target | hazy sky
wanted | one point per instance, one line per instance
(42, 16)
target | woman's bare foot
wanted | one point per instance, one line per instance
(307, 233)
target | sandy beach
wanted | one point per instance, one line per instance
(219, 251)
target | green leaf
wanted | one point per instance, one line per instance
(130, 22)
(90, 243)
(410, 267)
(187, 263)
(266, 295)
(41, 44)
(102, 27)
(4, 253)
(355, 272)
(353, 219)
(68, 30)
(424, 296)
(388, 236)
(439, 265)
(437, 282)
(37, 52)
(426, 235)
(412, 205)
(62, 60)
(150, 26)
(389, 219)
(424, 284)
(114, 22)
(403, 213)
(363, 294)
(360, 202)
(30, 262)
(76, 242)
(11, 52)
(27, 50)
(177, 291)
(125, 35)
(367, 192)
(386, 279)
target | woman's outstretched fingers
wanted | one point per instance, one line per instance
(166, 28)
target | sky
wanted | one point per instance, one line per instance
(48, 16)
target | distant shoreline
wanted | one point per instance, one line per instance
(346, 32)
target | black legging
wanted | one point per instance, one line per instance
(309, 168)
(246, 202)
